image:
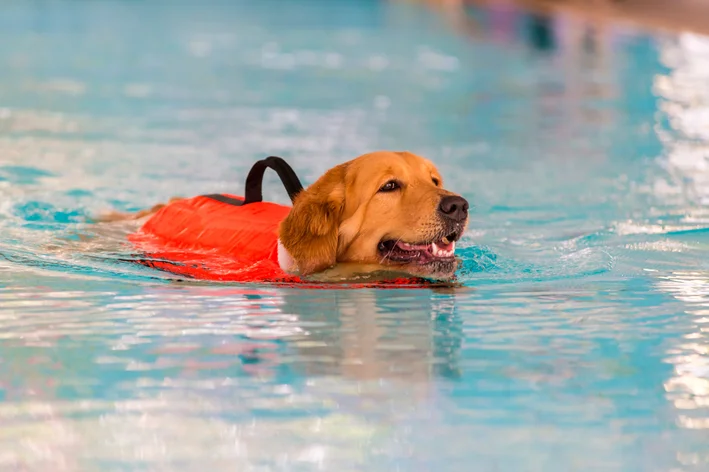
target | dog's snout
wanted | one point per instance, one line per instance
(454, 207)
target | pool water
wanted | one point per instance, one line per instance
(580, 337)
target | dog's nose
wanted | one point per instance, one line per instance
(454, 207)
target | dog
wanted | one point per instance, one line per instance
(384, 210)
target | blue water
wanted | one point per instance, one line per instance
(578, 342)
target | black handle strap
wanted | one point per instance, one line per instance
(254, 180)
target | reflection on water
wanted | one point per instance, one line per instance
(576, 341)
(327, 372)
(684, 188)
(346, 379)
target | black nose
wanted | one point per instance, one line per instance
(454, 208)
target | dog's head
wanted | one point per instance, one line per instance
(384, 208)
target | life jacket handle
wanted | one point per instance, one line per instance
(254, 180)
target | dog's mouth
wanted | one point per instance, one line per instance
(401, 252)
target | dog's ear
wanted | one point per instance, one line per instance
(310, 231)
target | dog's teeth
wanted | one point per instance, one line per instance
(438, 252)
(445, 241)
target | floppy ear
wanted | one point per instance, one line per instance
(310, 231)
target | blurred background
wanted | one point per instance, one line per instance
(579, 131)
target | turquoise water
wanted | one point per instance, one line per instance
(578, 342)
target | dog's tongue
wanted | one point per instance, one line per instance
(442, 248)
(412, 247)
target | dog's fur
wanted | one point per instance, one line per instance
(344, 216)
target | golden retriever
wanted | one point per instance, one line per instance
(383, 209)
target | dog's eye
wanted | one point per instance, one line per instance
(390, 186)
(436, 182)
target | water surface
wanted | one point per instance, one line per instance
(578, 341)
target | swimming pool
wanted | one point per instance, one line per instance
(579, 341)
